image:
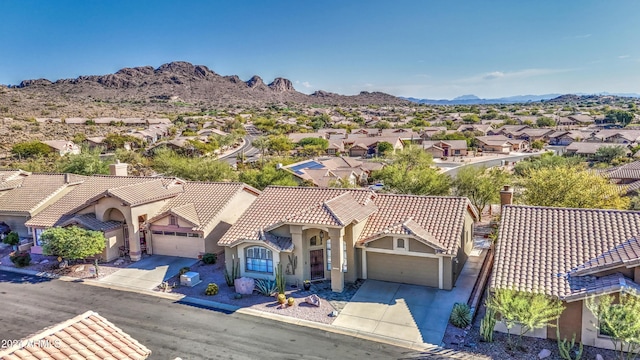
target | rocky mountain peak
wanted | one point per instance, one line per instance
(281, 85)
(33, 82)
(255, 81)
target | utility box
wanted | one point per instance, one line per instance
(190, 279)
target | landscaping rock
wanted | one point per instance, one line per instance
(312, 299)
(244, 285)
(334, 314)
(599, 357)
(45, 261)
(63, 265)
(544, 353)
(79, 268)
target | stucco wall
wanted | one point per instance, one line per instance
(589, 331)
(515, 330)
(417, 246)
(115, 239)
(570, 322)
(17, 224)
(382, 243)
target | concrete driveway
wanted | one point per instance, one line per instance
(149, 272)
(407, 312)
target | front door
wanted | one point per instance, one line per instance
(317, 264)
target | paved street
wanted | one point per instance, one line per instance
(453, 171)
(170, 329)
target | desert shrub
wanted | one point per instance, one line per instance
(20, 259)
(487, 325)
(460, 315)
(12, 239)
(212, 289)
(209, 258)
(184, 270)
(266, 287)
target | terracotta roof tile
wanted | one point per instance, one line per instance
(538, 246)
(438, 219)
(101, 339)
(27, 194)
(90, 222)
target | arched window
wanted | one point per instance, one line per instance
(259, 259)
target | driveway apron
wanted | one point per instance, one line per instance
(149, 272)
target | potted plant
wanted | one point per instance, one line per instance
(306, 285)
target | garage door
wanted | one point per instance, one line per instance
(182, 246)
(402, 268)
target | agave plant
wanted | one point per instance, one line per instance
(266, 287)
(460, 315)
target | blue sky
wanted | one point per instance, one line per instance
(420, 48)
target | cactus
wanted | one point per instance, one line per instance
(565, 347)
(212, 289)
(293, 262)
(487, 324)
(235, 272)
(291, 301)
(280, 280)
(282, 298)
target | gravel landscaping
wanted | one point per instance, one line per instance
(329, 301)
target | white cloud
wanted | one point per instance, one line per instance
(624, 56)
(306, 84)
(493, 75)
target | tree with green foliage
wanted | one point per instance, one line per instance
(479, 184)
(570, 186)
(269, 174)
(545, 121)
(72, 243)
(471, 119)
(537, 144)
(87, 162)
(528, 310)
(546, 160)
(384, 148)
(322, 143)
(382, 124)
(12, 239)
(410, 172)
(620, 321)
(115, 141)
(607, 154)
(168, 163)
(29, 149)
(618, 116)
(279, 144)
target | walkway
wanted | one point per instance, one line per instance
(408, 312)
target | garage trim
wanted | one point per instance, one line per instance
(404, 253)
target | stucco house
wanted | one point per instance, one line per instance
(165, 216)
(23, 195)
(347, 234)
(62, 147)
(500, 144)
(572, 255)
(445, 148)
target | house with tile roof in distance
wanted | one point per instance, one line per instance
(572, 255)
(500, 144)
(62, 147)
(322, 172)
(347, 234)
(445, 148)
(164, 216)
(24, 195)
(86, 336)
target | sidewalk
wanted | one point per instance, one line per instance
(214, 305)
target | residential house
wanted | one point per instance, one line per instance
(572, 255)
(564, 138)
(86, 336)
(627, 176)
(24, 195)
(165, 216)
(617, 136)
(428, 132)
(62, 147)
(445, 148)
(481, 128)
(589, 149)
(347, 234)
(507, 130)
(532, 135)
(322, 172)
(369, 145)
(500, 144)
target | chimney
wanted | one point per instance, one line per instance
(66, 178)
(506, 196)
(118, 169)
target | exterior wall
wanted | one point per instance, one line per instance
(211, 241)
(570, 322)
(382, 243)
(436, 153)
(17, 224)
(448, 276)
(352, 264)
(417, 246)
(357, 152)
(281, 231)
(636, 274)
(537, 333)
(115, 239)
(590, 334)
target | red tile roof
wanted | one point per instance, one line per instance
(86, 336)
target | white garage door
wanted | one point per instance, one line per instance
(182, 246)
(403, 269)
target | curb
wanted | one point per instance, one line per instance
(417, 346)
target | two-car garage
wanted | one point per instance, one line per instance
(408, 269)
(182, 244)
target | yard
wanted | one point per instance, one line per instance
(329, 301)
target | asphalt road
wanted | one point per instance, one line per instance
(171, 329)
(248, 149)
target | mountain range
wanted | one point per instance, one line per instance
(474, 100)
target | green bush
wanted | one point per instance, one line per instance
(12, 239)
(20, 259)
(460, 315)
(209, 258)
(212, 289)
(184, 270)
